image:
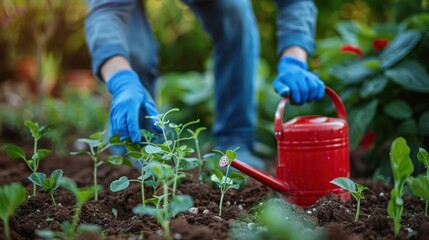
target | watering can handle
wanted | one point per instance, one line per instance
(278, 118)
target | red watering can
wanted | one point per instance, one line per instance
(311, 151)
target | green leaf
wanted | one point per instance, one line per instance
(215, 179)
(399, 48)
(14, 152)
(41, 153)
(218, 173)
(47, 234)
(34, 129)
(423, 157)
(37, 178)
(410, 75)
(88, 228)
(70, 185)
(344, 183)
(98, 136)
(373, 86)
(115, 140)
(114, 160)
(351, 72)
(398, 109)
(119, 184)
(359, 119)
(132, 147)
(152, 149)
(234, 186)
(237, 175)
(135, 154)
(231, 155)
(400, 161)
(91, 142)
(81, 152)
(45, 129)
(420, 187)
(84, 194)
(11, 195)
(147, 210)
(424, 124)
(360, 188)
(48, 184)
(57, 175)
(180, 203)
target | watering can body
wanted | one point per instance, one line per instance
(311, 151)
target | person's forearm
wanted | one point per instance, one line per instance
(296, 52)
(114, 65)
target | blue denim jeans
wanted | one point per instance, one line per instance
(232, 27)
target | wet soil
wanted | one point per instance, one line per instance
(333, 215)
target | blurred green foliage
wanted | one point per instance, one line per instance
(387, 107)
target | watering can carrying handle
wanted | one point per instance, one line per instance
(278, 118)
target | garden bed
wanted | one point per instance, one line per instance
(336, 217)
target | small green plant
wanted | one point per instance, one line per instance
(97, 145)
(16, 152)
(229, 180)
(355, 189)
(48, 184)
(171, 149)
(163, 210)
(11, 195)
(71, 230)
(195, 135)
(402, 167)
(420, 185)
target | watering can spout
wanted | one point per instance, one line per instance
(272, 182)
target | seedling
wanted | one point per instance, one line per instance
(71, 230)
(11, 195)
(229, 180)
(48, 184)
(97, 145)
(142, 157)
(355, 189)
(171, 150)
(16, 152)
(420, 185)
(195, 135)
(163, 213)
(402, 167)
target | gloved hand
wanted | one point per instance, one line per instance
(129, 98)
(294, 79)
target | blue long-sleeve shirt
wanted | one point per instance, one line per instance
(107, 21)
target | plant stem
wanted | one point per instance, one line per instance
(6, 228)
(200, 166)
(95, 180)
(165, 223)
(52, 197)
(34, 165)
(357, 210)
(175, 177)
(221, 202)
(142, 187)
(76, 216)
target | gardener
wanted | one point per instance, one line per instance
(124, 54)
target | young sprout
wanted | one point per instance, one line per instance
(355, 189)
(47, 184)
(11, 196)
(16, 152)
(402, 167)
(195, 135)
(71, 230)
(229, 180)
(97, 145)
(163, 210)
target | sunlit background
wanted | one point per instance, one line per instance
(370, 51)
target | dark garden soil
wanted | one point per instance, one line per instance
(336, 217)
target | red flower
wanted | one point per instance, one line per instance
(368, 140)
(353, 49)
(379, 44)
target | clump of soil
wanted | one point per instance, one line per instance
(333, 215)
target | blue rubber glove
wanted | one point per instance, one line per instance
(296, 80)
(129, 98)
